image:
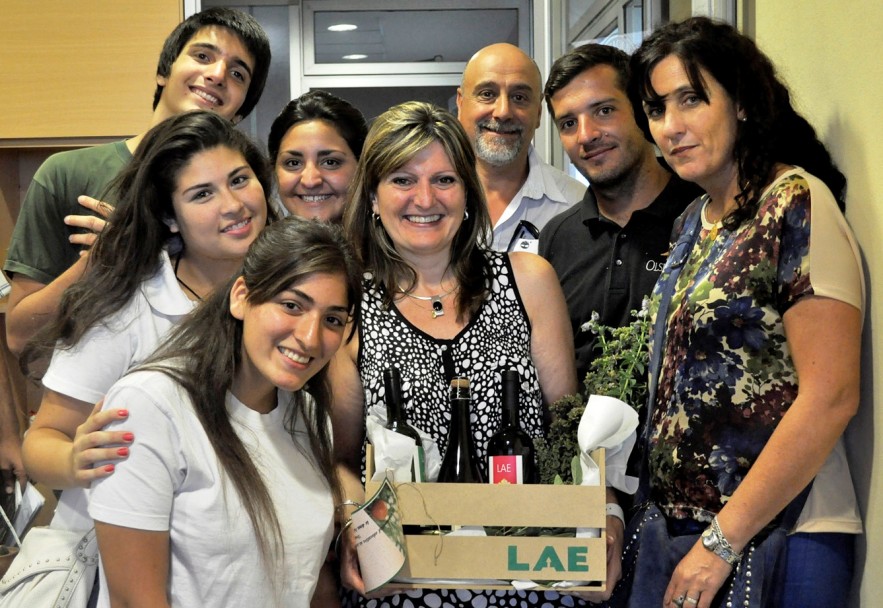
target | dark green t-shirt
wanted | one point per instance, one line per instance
(40, 248)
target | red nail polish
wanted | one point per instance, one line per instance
(128, 437)
(122, 413)
(123, 451)
(109, 468)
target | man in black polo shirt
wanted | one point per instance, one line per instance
(609, 249)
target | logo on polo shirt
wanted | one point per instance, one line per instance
(653, 266)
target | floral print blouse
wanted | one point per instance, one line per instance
(727, 375)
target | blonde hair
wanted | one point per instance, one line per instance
(396, 137)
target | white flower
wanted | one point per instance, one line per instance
(592, 324)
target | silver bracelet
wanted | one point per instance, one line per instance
(347, 503)
(340, 534)
(714, 540)
(723, 539)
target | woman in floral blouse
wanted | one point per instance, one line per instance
(770, 292)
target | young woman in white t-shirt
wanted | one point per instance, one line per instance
(227, 495)
(188, 206)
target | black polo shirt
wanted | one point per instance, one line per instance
(607, 268)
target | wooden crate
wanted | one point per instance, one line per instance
(496, 560)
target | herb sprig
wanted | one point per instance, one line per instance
(618, 371)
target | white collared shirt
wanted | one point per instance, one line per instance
(546, 192)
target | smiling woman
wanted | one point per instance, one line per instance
(438, 304)
(224, 424)
(189, 205)
(314, 144)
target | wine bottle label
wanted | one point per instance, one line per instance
(505, 469)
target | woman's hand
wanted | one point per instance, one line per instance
(699, 576)
(92, 445)
(615, 535)
(350, 574)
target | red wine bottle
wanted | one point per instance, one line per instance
(460, 464)
(398, 423)
(511, 456)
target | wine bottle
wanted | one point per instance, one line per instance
(398, 423)
(460, 465)
(511, 456)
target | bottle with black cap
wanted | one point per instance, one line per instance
(398, 423)
(511, 456)
(460, 464)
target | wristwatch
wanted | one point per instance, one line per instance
(714, 540)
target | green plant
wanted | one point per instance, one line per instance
(618, 371)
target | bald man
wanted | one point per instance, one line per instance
(499, 104)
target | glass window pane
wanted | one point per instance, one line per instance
(373, 101)
(634, 16)
(405, 36)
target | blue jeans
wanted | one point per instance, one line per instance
(818, 570)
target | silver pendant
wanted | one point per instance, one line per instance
(438, 309)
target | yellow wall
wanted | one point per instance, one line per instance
(831, 55)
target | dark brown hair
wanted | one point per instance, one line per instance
(204, 353)
(773, 132)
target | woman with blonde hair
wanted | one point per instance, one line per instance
(438, 303)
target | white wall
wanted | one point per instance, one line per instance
(831, 55)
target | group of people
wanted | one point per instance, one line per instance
(208, 357)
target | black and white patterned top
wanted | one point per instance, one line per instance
(496, 338)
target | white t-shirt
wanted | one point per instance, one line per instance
(172, 481)
(108, 350)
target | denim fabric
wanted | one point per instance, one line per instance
(818, 570)
(797, 571)
(652, 551)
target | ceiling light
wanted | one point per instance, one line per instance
(355, 56)
(342, 27)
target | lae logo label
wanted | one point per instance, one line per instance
(576, 560)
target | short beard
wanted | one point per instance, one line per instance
(495, 153)
(626, 173)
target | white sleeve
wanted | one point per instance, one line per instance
(835, 260)
(140, 491)
(87, 370)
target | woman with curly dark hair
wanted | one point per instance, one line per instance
(759, 322)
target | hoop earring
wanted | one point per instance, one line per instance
(375, 217)
(466, 215)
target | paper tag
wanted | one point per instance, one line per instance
(380, 540)
(506, 469)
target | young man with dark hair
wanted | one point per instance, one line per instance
(215, 60)
(608, 250)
